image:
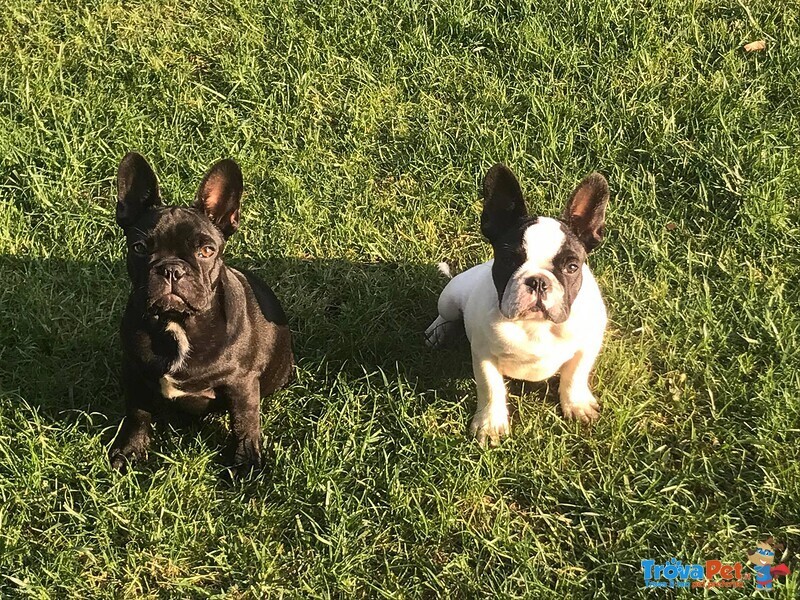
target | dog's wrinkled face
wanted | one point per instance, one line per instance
(175, 253)
(174, 259)
(537, 270)
(539, 261)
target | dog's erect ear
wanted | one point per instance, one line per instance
(585, 213)
(219, 195)
(137, 188)
(502, 201)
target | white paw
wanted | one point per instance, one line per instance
(438, 332)
(490, 425)
(581, 405)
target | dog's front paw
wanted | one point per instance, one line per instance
(131, 442)
(124, 455)
(580, 405)
(246, 455)
(490, 425)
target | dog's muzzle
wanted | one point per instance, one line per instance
(167, 288)
(534, 295)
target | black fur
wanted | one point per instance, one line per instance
(585, 213)
(571, 251)
(509, 253)
(239, 341)
(503, 204)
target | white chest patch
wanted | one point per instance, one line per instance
(169, 388)
(531, 351)
(542, 241)
(179, 333)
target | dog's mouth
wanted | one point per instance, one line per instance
(522, 300)
(534, 312)
(171, 303)
(537, 312)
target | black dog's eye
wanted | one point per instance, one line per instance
(139, 248)
(206, 251)
(571, 268)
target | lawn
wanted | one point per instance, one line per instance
(363, 130)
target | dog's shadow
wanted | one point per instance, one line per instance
(59, 318)
(363, 316)
(59, 346)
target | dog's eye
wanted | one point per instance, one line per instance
(206, 252)
(572, 268)
(139, 248)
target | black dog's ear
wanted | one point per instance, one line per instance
(585, 213)
(502, 201)
(219, 195)
(137, 188)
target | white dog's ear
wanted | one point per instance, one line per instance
(585, 213)
(502, 201)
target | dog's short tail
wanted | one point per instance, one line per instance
(444, 269)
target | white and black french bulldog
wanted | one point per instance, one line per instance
(535, 309)
(197, 335)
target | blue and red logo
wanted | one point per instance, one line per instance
(715, 573)
(762, 557)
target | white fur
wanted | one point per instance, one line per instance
(530, 349)
(179, 333)
(169, 388)
(169, 385)
(542, 242)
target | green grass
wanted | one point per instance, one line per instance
(363, 130)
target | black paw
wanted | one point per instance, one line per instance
(121, 458)
(245, 456)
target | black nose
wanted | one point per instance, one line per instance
(171, 271)
(538, 285)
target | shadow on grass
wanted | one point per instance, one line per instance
(60, 348)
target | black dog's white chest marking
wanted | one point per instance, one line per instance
(169, 388)
(169, 385)
(179, 333)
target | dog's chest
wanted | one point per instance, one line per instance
(171, 384)
(172, 388)
(530, 351)
(181, 394)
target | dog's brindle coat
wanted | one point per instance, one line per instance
(197, 336)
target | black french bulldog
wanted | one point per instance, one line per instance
(197, 335)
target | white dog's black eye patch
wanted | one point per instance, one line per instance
(509, 254)
(571, 252)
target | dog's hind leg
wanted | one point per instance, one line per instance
(449, 322)
(441, 331)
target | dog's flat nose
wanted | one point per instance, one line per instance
(171, 271)
(538, 285)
